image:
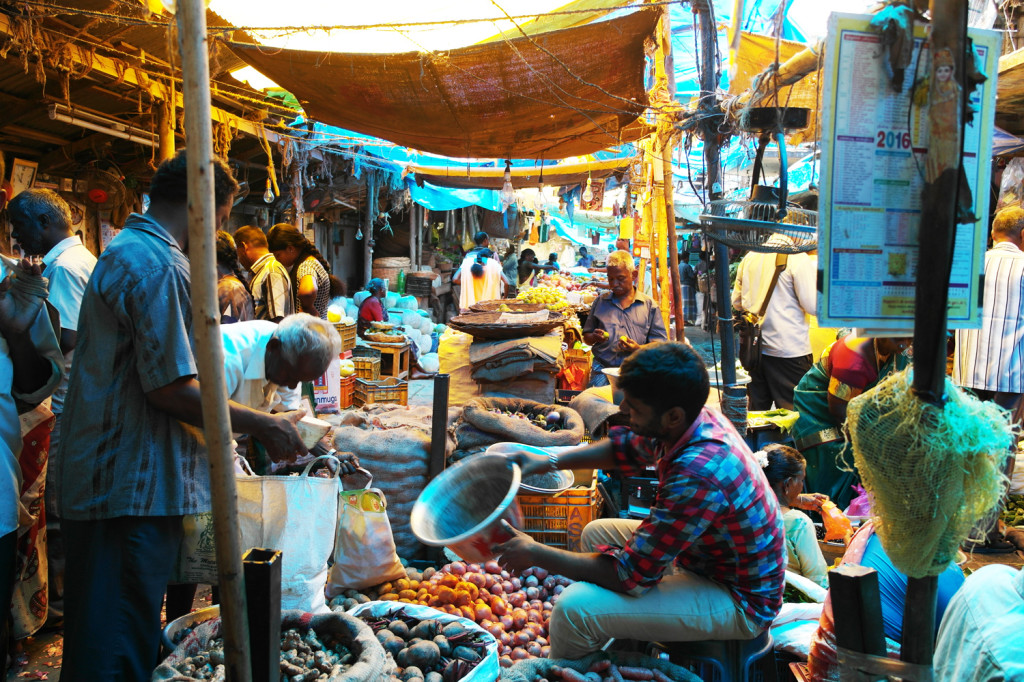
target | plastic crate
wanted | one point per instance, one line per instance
(564, 396)
(367, 362)
(390, 390)
(348, 335)
(558, 520)
(348, 385)
(583, 359)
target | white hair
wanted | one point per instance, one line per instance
(621, 259)
(303, 335)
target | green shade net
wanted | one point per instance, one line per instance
(932, 471)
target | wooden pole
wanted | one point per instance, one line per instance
(371, 215)
(297, 195)
(191, 17)
(712, 161)
(412, 239)
(666, 157)
(939, 201)
(165, 123)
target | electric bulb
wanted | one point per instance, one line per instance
(588, 194)
(268, 196)
(507, 195)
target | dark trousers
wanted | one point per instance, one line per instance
(8, 561)
(117, 570)
(774, 382)
(988, 526)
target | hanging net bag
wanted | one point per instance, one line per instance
(932, 471)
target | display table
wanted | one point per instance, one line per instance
(399, 355)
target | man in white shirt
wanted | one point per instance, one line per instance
(785, 332)
(41, 222)
(982, 631)
(990, 360)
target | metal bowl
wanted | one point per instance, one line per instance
(562, 479)
(171, 630)
(463, 507)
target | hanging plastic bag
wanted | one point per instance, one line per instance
(297, 515)
(364, 546)
(860, 505)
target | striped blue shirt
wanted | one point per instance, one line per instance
(134, 336)
(992, 358)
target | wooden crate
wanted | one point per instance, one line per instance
(367, 362)
(558, 520)
(347, 332)
(390, 390)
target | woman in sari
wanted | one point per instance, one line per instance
(849, 367)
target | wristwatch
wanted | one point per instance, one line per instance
(553, 460)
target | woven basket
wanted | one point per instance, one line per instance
(486, 326)
(516, 306)
(402, 262)
(385, 338)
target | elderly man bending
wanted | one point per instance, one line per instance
(708, 562)
(621, 320)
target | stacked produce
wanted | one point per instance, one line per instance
(1013, 513)
(564, 282)
(552, 297)
(514, 609)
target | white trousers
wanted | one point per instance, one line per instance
(682, 607)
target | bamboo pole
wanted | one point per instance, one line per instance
(191, 17)
(666, 159)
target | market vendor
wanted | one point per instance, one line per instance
(529, 267)
(708, 562)
(372, 309)
(585, 260)
(621, 320)
(847, 368)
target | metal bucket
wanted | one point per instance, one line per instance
(463, 507)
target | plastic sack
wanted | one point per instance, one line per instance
(425, 344)
(391, 300)
(408, 303)
(488, 670)
(372, 662)
(411, 319)
(197, 554)
(837, 526)
(1017, 480)
(359, 297)
(430, 363)
(297, 515)
(1011, 188)
(364, 546)
(860, 505)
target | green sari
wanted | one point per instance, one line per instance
(810, 399)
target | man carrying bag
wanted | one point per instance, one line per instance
(775, 348)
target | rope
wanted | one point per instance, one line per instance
(734, 407)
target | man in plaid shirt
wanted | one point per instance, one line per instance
(709, 560)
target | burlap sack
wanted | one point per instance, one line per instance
(372, 664)
(478, 423)
(538, 668)
(393, 443)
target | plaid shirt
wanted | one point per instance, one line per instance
(271, 289)
(134, 336)
(715, 515)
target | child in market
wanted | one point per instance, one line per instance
(785, 469)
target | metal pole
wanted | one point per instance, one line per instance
(191, 17)
(371, 215)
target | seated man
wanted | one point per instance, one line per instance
(621, 319)
(980, 637)
(707, 563)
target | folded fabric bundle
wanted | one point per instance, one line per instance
(495, 361)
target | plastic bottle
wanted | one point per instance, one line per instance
(401, 281)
